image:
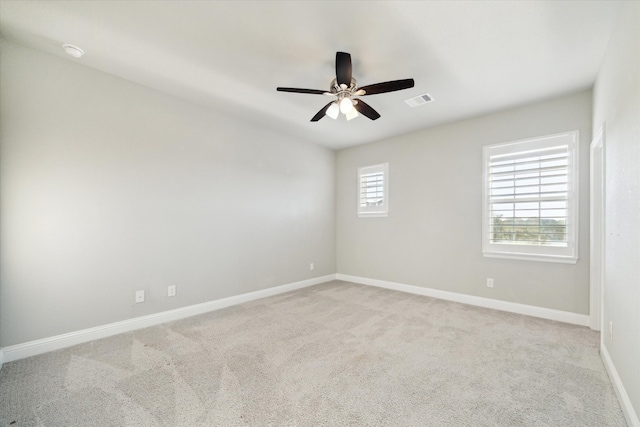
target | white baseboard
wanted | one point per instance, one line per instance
(512, 307)
(623, 397)
(32, 348)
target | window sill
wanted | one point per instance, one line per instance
(372, 215)
(532, 257)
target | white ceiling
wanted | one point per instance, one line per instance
(473, 57)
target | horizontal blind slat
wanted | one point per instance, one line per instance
(560, 150)
(536, 171)
(509, 176)
(528, 160)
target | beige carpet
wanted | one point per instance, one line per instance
(335, 354)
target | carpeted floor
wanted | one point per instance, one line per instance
(334, 354)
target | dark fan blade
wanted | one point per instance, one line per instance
(321, 113)
(295, 90)
(364, 109)
(387, 86)
(343, 68)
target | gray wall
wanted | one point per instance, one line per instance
(617, 105)
(108, 187)
(433, 236)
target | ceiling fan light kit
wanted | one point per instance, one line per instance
(345, 88)
(333, 111)
(346, 106)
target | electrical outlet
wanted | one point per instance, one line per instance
(489, 283)
(611, 330)
(312, 266)
(171, 291)
(139, 296)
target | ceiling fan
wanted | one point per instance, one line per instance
(344, 88)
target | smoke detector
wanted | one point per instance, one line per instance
(72, 50)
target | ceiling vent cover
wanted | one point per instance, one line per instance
(419, 100)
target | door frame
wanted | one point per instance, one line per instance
(597, 193)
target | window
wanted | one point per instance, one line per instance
(531, 199)
(373, 190)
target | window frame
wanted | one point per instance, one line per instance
(374, 211)
(530, 252)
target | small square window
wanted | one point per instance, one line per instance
(373, 190)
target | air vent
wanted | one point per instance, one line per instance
(419, 100)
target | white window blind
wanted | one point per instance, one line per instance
(373, 190)
(530, 198)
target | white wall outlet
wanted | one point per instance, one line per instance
(611, 330)
(312, 266)
(489, 283)
(139, 296)
(171, 291)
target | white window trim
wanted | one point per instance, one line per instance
(567, 254)
(374, 211)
